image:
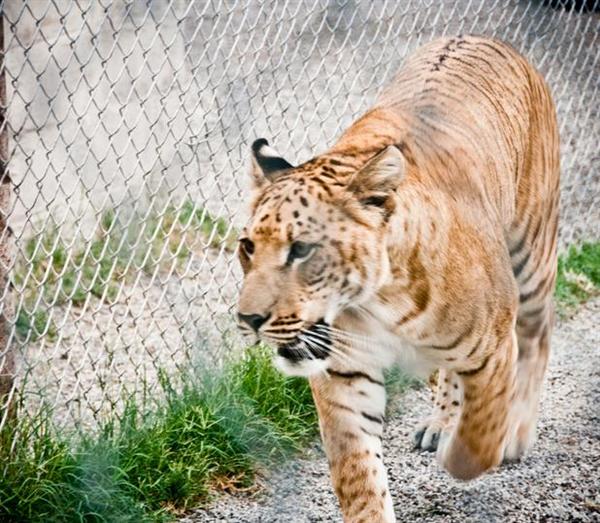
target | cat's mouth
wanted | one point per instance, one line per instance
(313, 344)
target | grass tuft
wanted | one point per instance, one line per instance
(145, 466)
(578, 277)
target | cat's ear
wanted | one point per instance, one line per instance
(267, 163)
(378, 178)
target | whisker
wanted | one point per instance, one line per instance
(360, 338)
(323, 342)
(351, 355)
(330, 328)
(353, 344)
(315, 344)
(327, 337)
(312, 343)
(306, 350)
(349, 344)
(345, 357)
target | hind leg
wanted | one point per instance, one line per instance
(533, 332)
(477, 441)
(532, 242)
(534, 266)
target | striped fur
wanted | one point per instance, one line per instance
(426, 233)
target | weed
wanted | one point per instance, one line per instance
(215, 230)
(578, 277)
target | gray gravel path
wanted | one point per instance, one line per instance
(558, 481)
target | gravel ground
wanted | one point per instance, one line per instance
(558, 481)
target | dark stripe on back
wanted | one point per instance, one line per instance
(510, 60)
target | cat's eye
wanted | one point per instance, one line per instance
(247, 246)
(299, 250)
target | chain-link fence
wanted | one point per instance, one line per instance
(129, 125)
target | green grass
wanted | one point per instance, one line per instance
(578, 277)
(215, 431)
(52, 271)
(217, 230)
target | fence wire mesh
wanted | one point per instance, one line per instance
(129, 125)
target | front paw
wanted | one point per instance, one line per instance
(428, 433)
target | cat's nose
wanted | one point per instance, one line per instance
(254, 320)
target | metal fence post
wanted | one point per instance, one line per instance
(7, 356)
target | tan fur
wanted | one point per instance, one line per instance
(432, 226)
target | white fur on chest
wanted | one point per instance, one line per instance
(385, 347)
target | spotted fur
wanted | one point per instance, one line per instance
(426, 233)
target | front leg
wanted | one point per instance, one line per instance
(351, 406)
(446, 409)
